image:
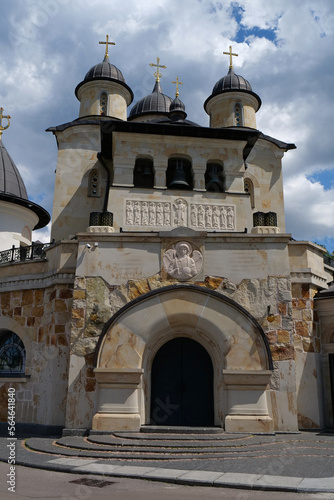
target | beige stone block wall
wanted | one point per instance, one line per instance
(221, 109)
(264, 169)
(118, 99)
(77, 156)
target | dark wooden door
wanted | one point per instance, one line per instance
(331, 372)
(182, 385)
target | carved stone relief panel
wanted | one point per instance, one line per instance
(180, 213)
(182, 261)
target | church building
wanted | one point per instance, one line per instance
(171, 294)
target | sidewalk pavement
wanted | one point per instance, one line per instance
(302, 462)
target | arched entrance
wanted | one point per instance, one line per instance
(211, 333)
(182, 385)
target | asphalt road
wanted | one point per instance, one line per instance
(48, 485)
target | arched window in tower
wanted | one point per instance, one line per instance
(103, 104)
(179, 174)
(94, 183)
(143, 174)
(249, 188)
(215, 177)
(12, 354)
(238, 115)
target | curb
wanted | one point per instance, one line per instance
(187, 477)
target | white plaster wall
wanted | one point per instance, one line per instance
(246, 258)
(309, 381)
(283, 396)
(118, 261)
(13, 218)
(119, 258)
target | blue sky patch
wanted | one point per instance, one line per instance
(243, 33)
(325, 177)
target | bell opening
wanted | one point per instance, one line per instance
(179, 174)
(214, 178)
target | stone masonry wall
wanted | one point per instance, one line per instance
(41, 318)
(306, 329)
(95, 302)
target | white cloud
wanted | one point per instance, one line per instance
(309, 205)
(46, 48)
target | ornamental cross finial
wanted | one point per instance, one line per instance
(106, 43)
(157, 74)
(2, 116)
(177, 86)
(230, 53)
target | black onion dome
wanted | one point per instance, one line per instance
(231, 82)
(177, 105)
(104, 70)
(13, 190)
(157, 102)
(11, 182)
(177, 110)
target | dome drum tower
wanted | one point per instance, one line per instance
(232, 102)
(103, 91)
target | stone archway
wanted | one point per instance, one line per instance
(235, 342)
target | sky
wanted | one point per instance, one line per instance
(285, 50)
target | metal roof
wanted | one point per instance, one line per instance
(11, 182)
(156, 102)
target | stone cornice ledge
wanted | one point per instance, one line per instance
(157, 236)
(308, 275)
(36, 281)
(118, 376)
(256, 378)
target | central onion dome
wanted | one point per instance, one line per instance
(156, 103)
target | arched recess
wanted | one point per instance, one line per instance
(234, 340)
(143, 173)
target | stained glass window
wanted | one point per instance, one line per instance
(103, 104)
(94, 183)
(238, 118)
(12, 354)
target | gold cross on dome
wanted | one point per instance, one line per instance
(177, 86)
(157, 74)
(2, 116)
(106, 43)
(230, 53)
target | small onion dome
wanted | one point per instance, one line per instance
(177, 110)
(232, 82)
(13, 190)
(104, 71)
(155, 103)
